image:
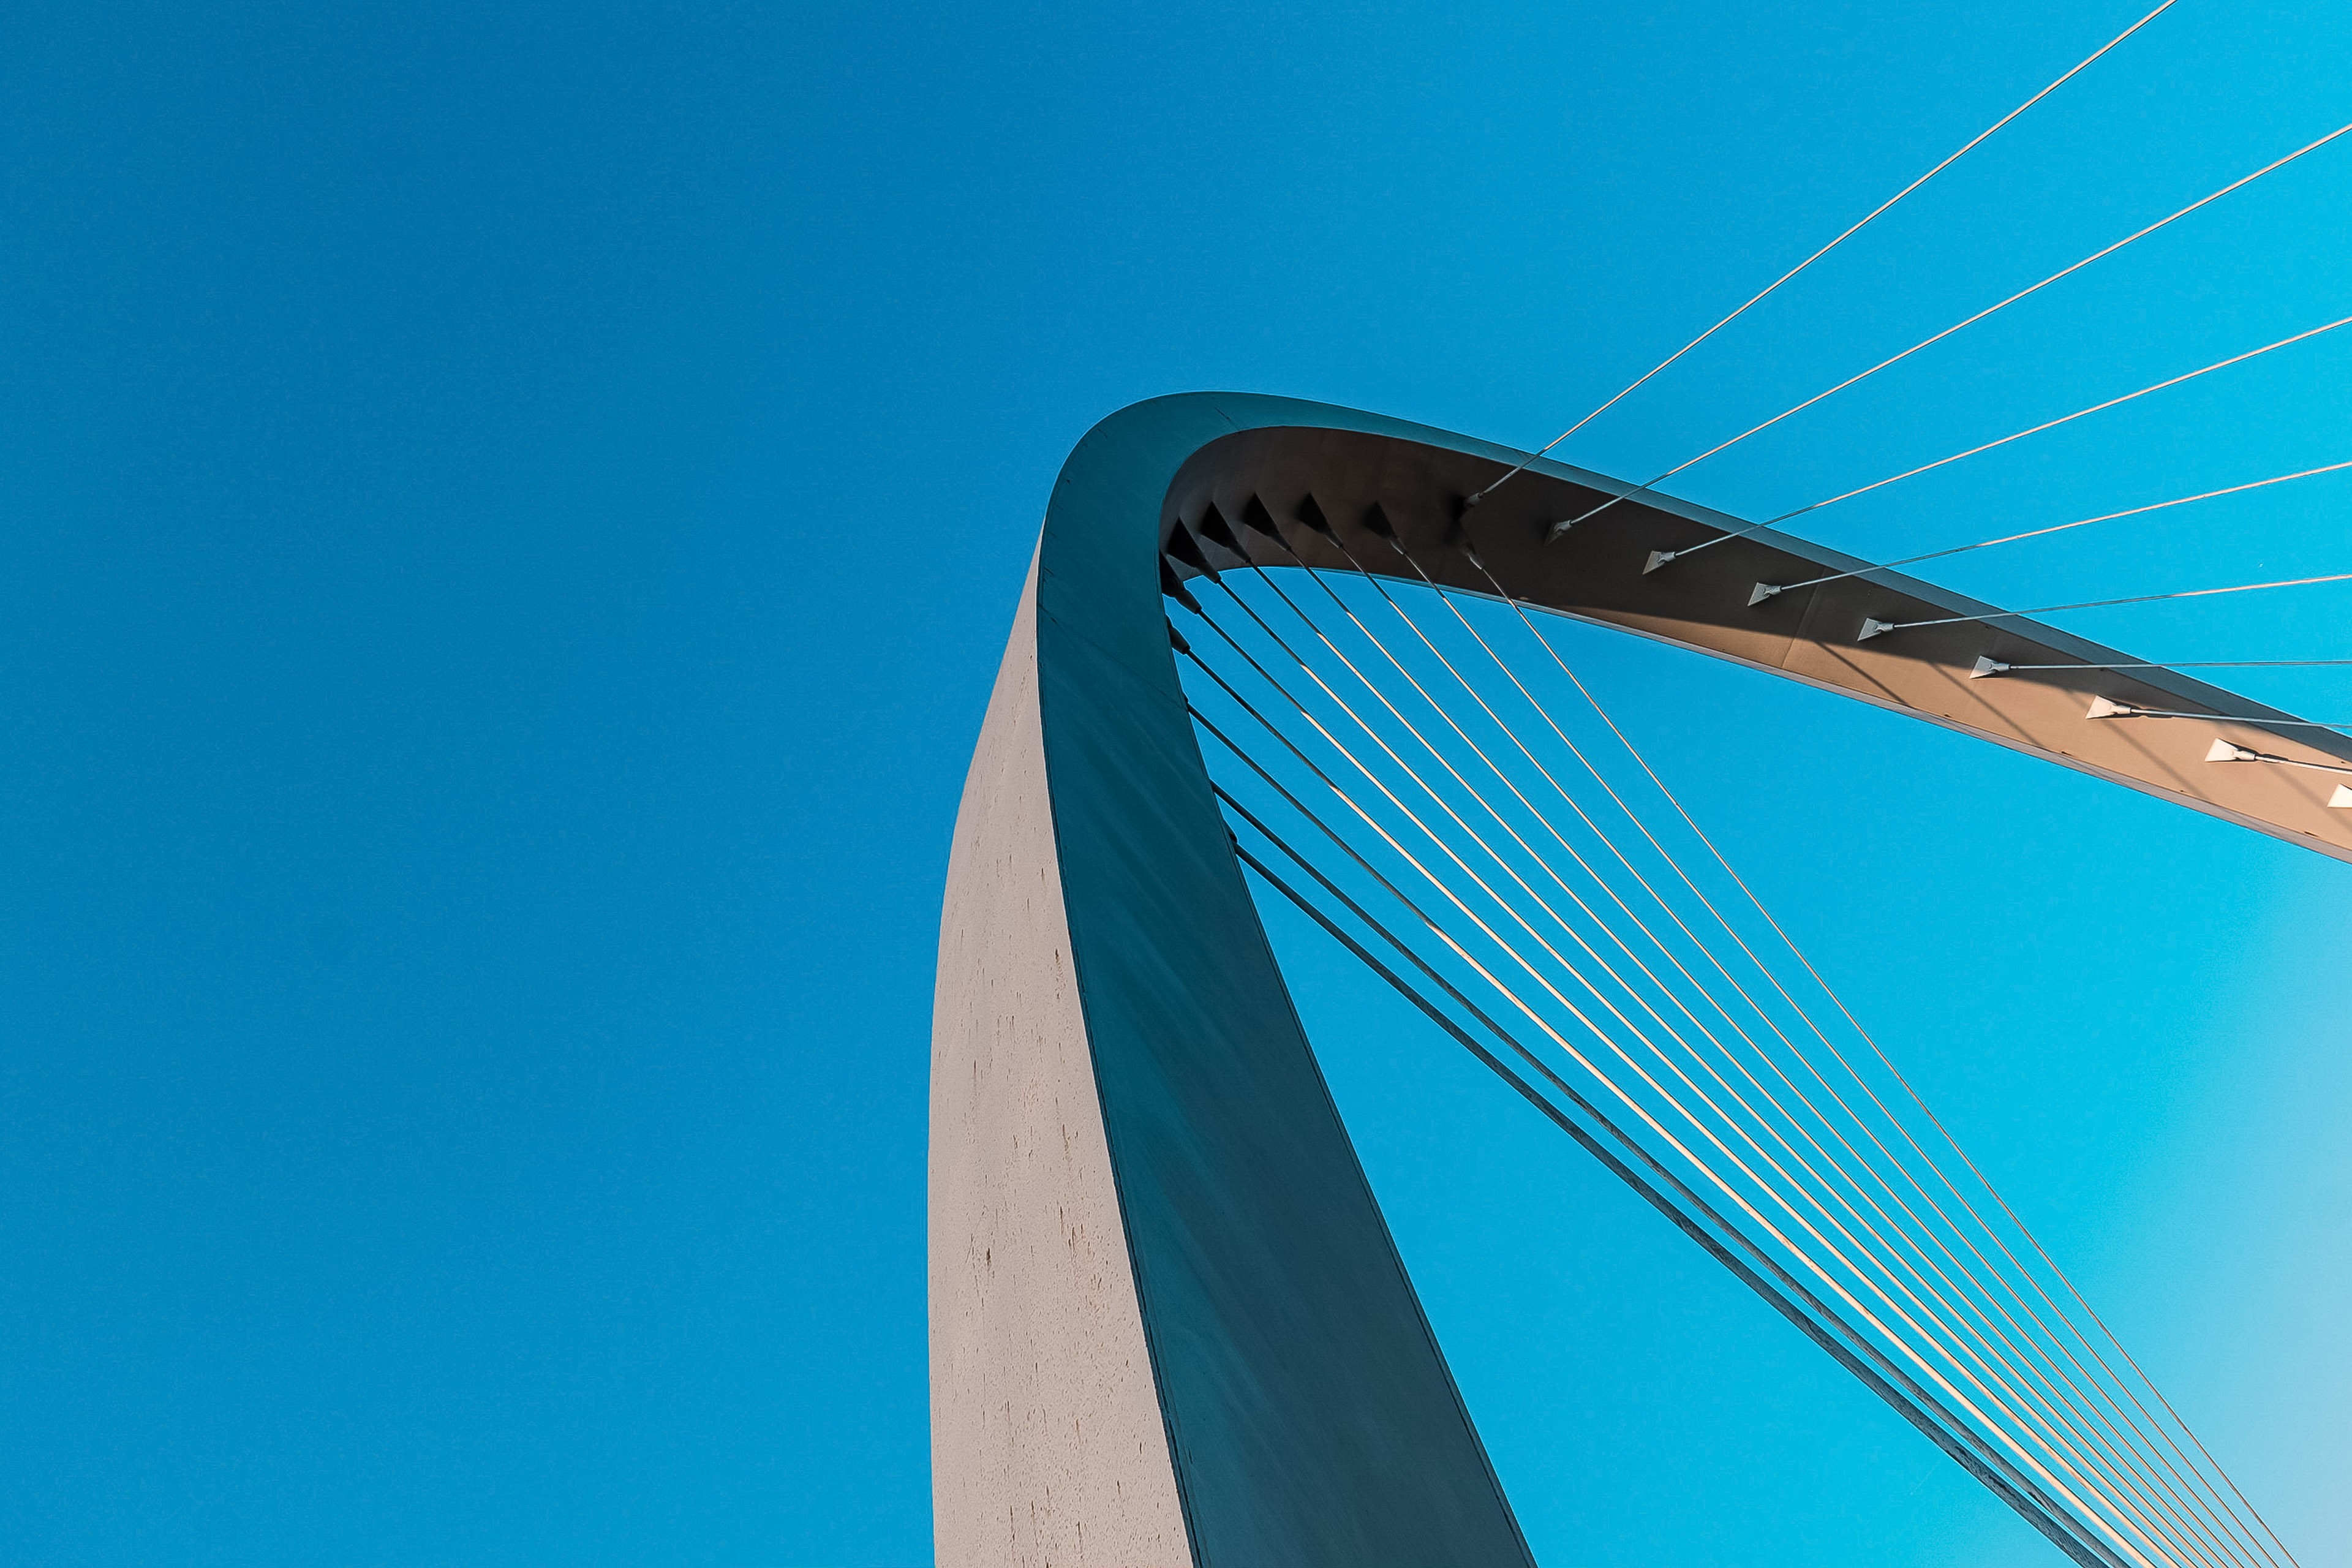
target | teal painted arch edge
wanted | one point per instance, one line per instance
(1310, 1415)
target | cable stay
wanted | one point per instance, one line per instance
(2107, 708)
(1527, 885)
(2026, 292)
(1766, 591)
(1215, 529)
(1660, 558)
(2006, 1346)
(1863, 222)
(2342, 798)
(1994, 667)
(1872, 628)
(2230, 752)
(1783, 1292)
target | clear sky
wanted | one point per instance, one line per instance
(512, 516)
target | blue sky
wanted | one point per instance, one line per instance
(513, 517)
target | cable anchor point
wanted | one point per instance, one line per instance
(1657, 558)
(1765, 590)
(1186, 549)
(2222, 751)
(1214, 528)
(1172, 587)
(1987, 667)
(1870, 628)
(1458, 524)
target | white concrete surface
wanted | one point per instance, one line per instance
(1047, 1446)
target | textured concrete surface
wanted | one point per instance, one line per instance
(1047, 1446)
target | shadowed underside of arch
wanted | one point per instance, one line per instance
(1168, 1325)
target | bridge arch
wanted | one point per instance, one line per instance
(1168, 1325)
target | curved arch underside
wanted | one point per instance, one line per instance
(1596, 572)
(1168, 1325)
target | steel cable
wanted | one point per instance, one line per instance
(1866, 219)
(2027, 1426)
(1665, 555)
(1911, 1402)
(1976, 1308)
(2030, 289)
(2103, 1440)
(2108, 1433)
(1977, 1435)
(2197, 1478)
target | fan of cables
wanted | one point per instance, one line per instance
(1425, 777)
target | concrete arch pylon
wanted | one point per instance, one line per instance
(1168, 1326)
